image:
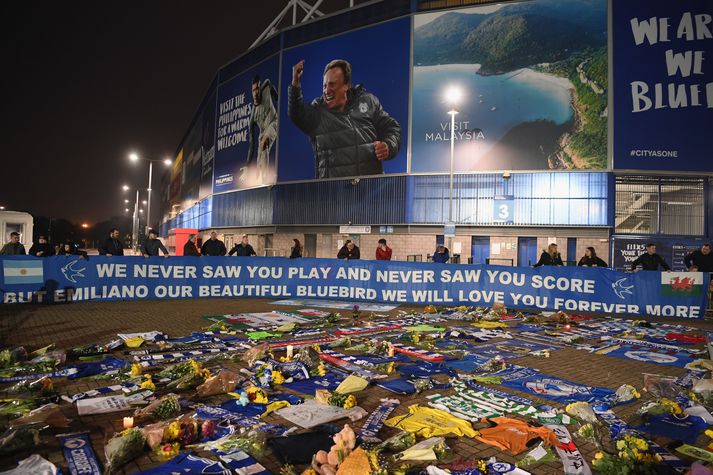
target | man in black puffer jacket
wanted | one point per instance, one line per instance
(350, 132)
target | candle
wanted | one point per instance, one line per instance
(290, 351)
(128, 422)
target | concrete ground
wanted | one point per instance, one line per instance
(71, 325)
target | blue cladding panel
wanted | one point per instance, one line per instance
(378, 200)
(243, 208)
(540, 199)
(548, 199)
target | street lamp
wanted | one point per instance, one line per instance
(135, 218)
(134, 157)
(453, 96)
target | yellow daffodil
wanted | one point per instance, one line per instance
(148, 384)
(135, 370)
(172, 431)
(277, 377)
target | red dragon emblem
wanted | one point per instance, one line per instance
(682, 285)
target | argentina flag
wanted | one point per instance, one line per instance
(22, 271)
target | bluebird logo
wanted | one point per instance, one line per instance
(620, 288)
(70, 273)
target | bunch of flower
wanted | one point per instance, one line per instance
(319, 370)
(346, 401)
(633, 456)
(659, 407)
(135, 370)
(148, 383)
(583, 411)
(42, 387)
(193, 376)
(493, 365)
(626, 393)
(355, 313)
(160, 409)
(123, 448)
(430, 309)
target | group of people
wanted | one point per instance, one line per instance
(350, 251)
(41, 248)
(700, 260)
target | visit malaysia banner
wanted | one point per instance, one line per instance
(663, 83)
(62, 279)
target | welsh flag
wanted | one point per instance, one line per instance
(681, 283)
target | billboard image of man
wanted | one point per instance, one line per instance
(263, 120)
(350, 132)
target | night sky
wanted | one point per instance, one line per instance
(86, 82)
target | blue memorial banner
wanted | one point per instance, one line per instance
(574, 289)
(663, 84)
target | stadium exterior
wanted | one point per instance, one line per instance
(549, 147)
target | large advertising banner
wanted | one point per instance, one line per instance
(575, 289)
(532, 82)
(673, 251)
(340, 126)
(663, 80)
(246, 128)
(207, 146)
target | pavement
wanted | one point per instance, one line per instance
(34, 326)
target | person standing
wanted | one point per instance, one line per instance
(213, 246)
(296, 250)
(550, 257)
(383, 252)
(41, 248)
(441, 256)
(590, 259)
(650, 260)
(112, 245)
(243, 248)
(700, 260)
(14, 247)
(349, 252)
(152, 245)
(189, 248)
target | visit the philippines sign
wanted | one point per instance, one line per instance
(65, 279)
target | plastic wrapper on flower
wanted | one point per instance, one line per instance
(16, 407)
(251, 442)
(626, 393)
(124, 447)
(194, 377)
(156, 434)
(398, 442)
(221, 383)
(256, 353)
(661, 386)
(42, 387)
(49, 414)
(160, 409)
(544, 454)
(21, 438)
(582, 411)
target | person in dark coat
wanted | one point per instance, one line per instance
(441, 256)
(700, 260)
(590, 259)
(152, 245)
(650, 260)
(296, 250)
(112, 246)
(41, 248)
(14, 247)
(550, 257)
(189, 248)
(349, 252)
(213, 246)
(243, 248)
(349, 130)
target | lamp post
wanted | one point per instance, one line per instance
(135, 219)
(453, 97)
(134, 157)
